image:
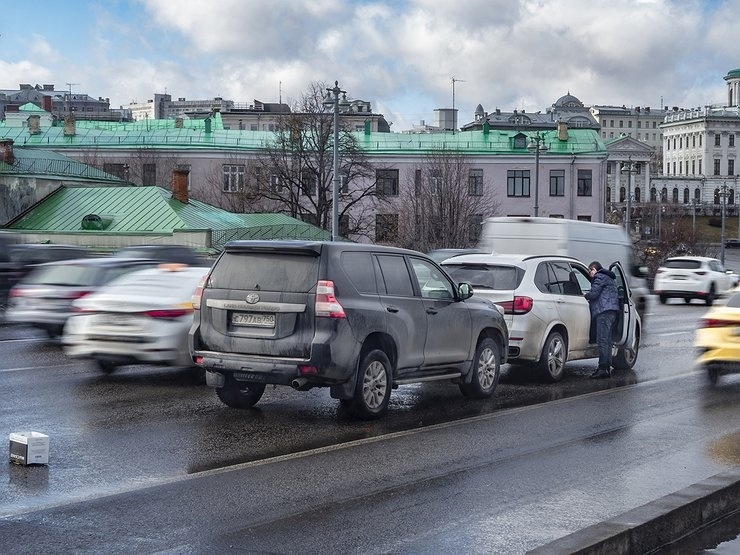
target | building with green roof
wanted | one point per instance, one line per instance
(568, 176)
(27, 175)
(113, 217)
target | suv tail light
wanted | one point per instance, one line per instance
(520, 305)
(327, 305)
(168, 313)
(199, 292)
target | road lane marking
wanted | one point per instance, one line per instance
(21, 369)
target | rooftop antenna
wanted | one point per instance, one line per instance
(280, 92)
(454, 116)
(69, 98)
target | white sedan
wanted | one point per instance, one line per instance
(692, 277)
(140, 318)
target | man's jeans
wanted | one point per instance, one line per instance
(604, 324)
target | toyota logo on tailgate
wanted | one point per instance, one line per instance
(253, 298)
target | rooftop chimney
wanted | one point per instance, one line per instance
(562, 131)
(69, 126)
(6, 147)
(34, 124)
(180, 185)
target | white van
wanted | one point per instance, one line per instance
(586, 241)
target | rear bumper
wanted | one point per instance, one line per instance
(274, 370)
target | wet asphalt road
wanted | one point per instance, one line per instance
(148, 458)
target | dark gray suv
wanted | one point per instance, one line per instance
(359, 319)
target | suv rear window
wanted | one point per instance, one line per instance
(484, 276)
(289, 272)
(683, 264)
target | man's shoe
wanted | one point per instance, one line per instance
(600, 373)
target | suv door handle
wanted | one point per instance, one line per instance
(431, 311)
(392, 308)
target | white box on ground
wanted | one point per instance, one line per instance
(29, 448)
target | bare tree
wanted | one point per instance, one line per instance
(296, 169)
(444, 203)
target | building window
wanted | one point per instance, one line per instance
(344, 225)
(637, 194)
(517, 183)
(693, 167)
(386, 228)
(675, 195)
(233, 178)
(697, 194)
(387, 183)
(608, 167)
(584, 183)
(608, 194)
(680, 168)
(119, 170)
(680, 142)
(731, 140)
(475, 223)
(309, 183)
(621, 123)
(699, 162)
(557, 183)
(700, 139)
(611, 124)
(639, 125)
(149, 174)
(653, 195)
(276, 183)
(629, 123)
(693, 141)
(475, 183)
(717, 140)
(435, 182)
(674, 168)
(731, 167)
(344, 181)
(716, 166)
(622, 194)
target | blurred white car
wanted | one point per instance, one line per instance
(140, 318)
(692, 277)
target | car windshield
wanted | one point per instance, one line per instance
(485, 276)
(683, 264)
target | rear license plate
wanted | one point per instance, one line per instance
(253, 319)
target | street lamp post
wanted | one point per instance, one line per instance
(723, 196)
(629, 168)
(537, 145)
(334, 103)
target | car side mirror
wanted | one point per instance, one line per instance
(465, 290)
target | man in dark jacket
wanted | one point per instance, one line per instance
(604, 304)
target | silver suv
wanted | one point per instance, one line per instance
(359, 319)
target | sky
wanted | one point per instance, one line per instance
(401, 56)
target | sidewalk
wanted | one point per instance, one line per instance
(656, 524)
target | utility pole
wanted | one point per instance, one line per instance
(454, 114)
(69, 97)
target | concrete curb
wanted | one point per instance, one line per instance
(655, 524)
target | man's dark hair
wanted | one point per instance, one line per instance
(595, 265)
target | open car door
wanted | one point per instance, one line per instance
(627, 328)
